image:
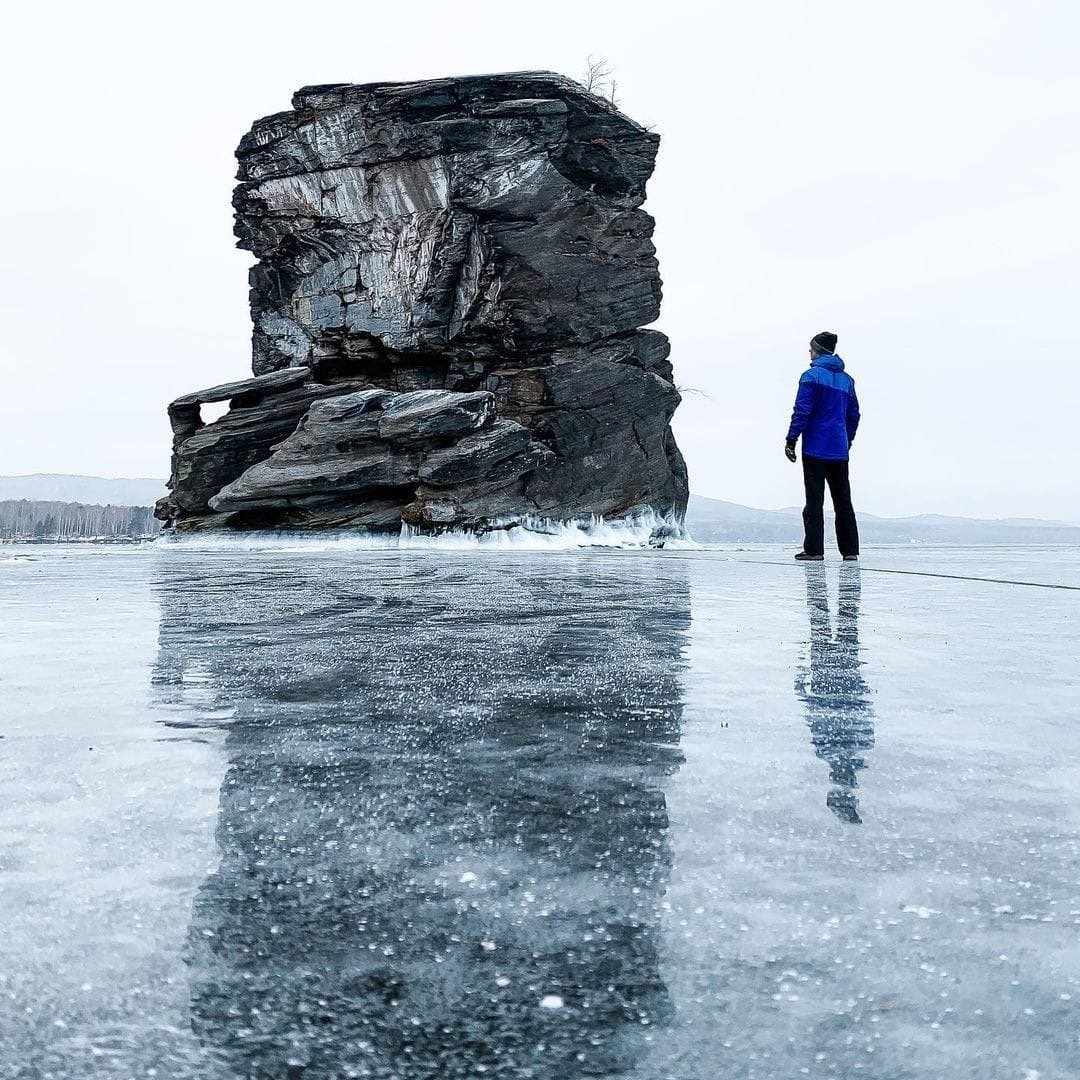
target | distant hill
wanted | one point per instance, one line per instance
(713, 520)
(90, 490)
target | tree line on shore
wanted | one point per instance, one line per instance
(31, 519)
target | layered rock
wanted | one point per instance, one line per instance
(447, 308)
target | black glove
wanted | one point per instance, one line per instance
(789, 450)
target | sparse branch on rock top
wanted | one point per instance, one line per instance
(597, 76)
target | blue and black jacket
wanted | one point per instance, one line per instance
(826, 410)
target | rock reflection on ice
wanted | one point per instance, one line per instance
(433, 862)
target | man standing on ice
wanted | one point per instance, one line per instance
(826, 416)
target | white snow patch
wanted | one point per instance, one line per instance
(922, 912)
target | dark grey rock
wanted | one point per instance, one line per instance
(246, 389)
(208, 456)
(476, 248)
(425, 415)
(480, 455)
(366, 444)
(335, 450)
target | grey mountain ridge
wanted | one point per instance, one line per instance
(90, 490)
(713, 520)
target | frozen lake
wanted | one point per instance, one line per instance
(418, 814)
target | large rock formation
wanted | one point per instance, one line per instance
(452, 280)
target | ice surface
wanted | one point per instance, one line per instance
(413, 813)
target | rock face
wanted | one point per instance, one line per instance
(447, 308)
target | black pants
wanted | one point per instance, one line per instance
(816, 472)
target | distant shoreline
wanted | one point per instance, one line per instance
(38, 541)
(121, 511)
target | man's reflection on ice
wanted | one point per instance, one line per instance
(833, 691)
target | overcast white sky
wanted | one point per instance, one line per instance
(905, 174)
